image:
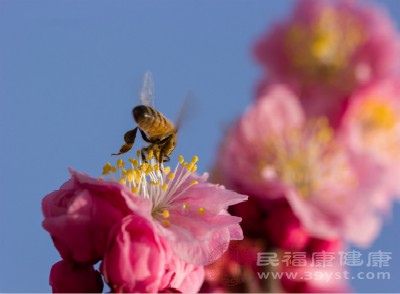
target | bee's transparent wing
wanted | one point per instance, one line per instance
(187, 104)
(147, 92)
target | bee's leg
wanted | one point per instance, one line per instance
(160, 158)
(144, 136)
(129, 139)
(143, 153)
(166, 158)
(165, 140)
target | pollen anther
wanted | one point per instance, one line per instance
(165, 213)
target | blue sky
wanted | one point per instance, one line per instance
(70, 73)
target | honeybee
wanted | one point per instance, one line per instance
(158, 131)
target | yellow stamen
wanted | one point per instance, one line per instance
(133, 161)
(149, 179)
(120, 163)
(146, 168)
(165, 213)
(193, 169)
(166, 222)
(167, 169)
(138, 176)
(106, 168)
(130, 175)
(189, 166)
(150, 155)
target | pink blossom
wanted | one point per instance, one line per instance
(273, 153)
(135, 258)
(66, 277)
(243, 160)
(327, 49)
(370, 129)
(186, 210)
(80, 215)
(182, 276)
(138, 260)
(92, 219)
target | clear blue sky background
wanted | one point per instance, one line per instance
(70, 72)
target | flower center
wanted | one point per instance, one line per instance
(379, 126)
(153, 181)
(376, 115)
(323, 48)
(303, 158)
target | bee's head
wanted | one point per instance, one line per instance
(140, 111)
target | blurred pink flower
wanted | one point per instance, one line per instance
(260, 219)
(290, 234)
(236, 270)
(321, 273)
(66, 277)
(327, 49)
(243, 160)
(312, 279)
(370, 129)
(273, 153)
(319, 245)
(252, 214)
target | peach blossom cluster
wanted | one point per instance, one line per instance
(318, 150)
